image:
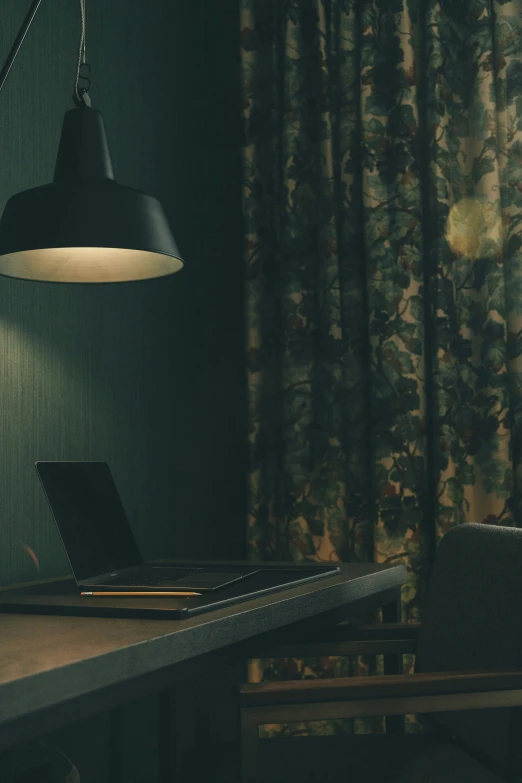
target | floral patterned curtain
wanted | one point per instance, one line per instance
(383, 206)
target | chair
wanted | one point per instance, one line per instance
(468, 680)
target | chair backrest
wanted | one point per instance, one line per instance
(473, 620)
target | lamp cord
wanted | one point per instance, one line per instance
(80, 96)
(84, 52)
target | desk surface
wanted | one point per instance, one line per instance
(46, 661)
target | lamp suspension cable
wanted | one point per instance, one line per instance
(84, 53)
(80, 96)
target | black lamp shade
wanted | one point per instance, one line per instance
(84, 227)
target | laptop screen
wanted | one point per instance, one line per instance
(90, 517)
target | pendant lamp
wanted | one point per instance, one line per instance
(83, 227)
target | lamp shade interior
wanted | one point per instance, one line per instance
(87, 265)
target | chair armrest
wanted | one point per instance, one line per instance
(344, 639)
(388, 695)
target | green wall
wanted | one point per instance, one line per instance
(148, 376)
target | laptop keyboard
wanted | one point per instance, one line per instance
(153, 577)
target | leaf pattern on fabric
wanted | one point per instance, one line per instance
(383, 219)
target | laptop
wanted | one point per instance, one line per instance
(99, 542)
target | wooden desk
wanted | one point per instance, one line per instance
(58, 670)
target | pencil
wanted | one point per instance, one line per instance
(151, 592)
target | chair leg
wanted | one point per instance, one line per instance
(249, 747)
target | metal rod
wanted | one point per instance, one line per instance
(18, 41)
